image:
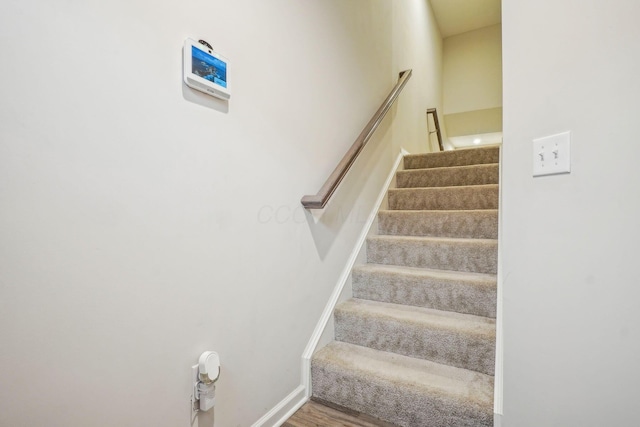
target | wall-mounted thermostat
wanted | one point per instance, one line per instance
(205, 70)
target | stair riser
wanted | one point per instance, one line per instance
(463, 224)
(441, 294)
(453, 158)
(478, 257)
(383, 400)
(447, 177)
(466, 350)
(447, 198)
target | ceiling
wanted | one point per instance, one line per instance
(459, 16)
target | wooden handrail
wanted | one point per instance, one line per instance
(318, 201)
(437, 124)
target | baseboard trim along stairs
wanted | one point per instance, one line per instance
(415, 346)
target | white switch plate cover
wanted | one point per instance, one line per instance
(552, 154)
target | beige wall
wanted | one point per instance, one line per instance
(570, 257)
(142, 223)
(473, 70)
(473, 81)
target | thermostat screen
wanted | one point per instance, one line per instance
(208, 67)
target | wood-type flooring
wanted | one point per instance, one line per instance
(316, 414)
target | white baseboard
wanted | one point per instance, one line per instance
(346, 274)
(283, 410)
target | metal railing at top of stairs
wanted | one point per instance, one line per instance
(319, 200)
(436, 124)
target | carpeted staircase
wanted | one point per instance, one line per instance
(415, 346)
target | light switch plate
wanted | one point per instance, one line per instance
(552, 154)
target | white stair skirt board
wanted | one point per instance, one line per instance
(290, 404)
(499, 374)
(327, 314)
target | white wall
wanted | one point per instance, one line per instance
(473, 70)
(417, 44)
(142, 223)
(571, 318)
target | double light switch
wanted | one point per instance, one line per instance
(552, 154)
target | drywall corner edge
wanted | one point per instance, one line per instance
(499, 368)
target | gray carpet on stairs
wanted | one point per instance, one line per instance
(448, 177)
(474, 156)
(415, 346)
(479, 224)
(402, 390)
(445, 198)
(462, 292)
(444, 253)
(460, 340)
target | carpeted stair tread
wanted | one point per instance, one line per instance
(479, 223)
(460, 340)
(448, 176)
(468, 197)
(462, 292)
(402, 390)
(442, 253)
(473, 156)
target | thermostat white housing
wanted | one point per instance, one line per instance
(205, 70)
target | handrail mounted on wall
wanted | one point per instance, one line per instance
(319, 200)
